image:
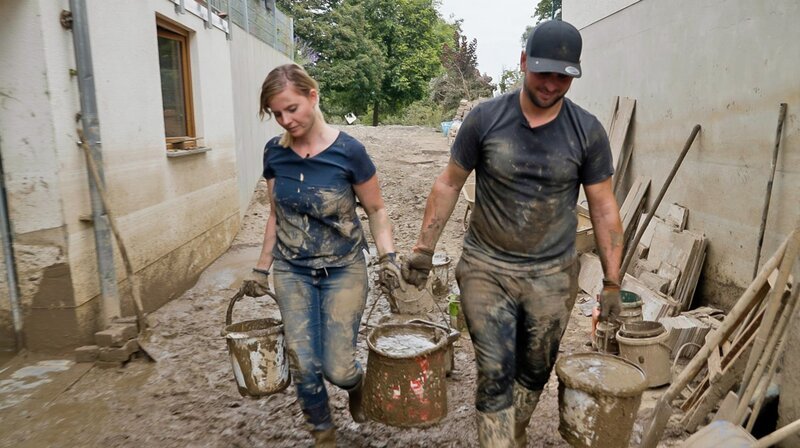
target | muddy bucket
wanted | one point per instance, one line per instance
(630, 307)
(452, 336)
(258, 353)
(598, 398)
(644, 344)
(405, 383)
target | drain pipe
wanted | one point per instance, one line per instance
(91, 131)
(8, 257)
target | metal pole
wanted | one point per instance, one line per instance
(11, 267)
(91, 130)
(765, 212)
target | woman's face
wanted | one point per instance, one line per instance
(294, 111)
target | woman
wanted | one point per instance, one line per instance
(314, 244)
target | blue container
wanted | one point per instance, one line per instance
(446, 127)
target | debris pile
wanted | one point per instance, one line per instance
(113, 346)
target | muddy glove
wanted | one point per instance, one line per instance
(417, 266)
(389, 276)
(256, 283)
(610, 305)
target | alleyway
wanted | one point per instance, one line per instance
(188, 397)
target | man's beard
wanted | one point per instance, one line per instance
(539, 104)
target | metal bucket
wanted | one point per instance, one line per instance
(598, 398)
(258, 353)
(406, 389)
(452, 337)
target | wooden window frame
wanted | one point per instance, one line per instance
(170, 30)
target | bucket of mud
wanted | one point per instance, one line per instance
(630, 307)
(441, 274)
(258, 353)
(644, 344)
(405, 382)
(452, 337)
(598, 398)
(605, 337)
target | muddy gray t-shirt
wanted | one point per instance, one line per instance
(315, 204)
(527, 181)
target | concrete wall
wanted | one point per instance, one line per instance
(725, 64)
(176, 214)
(582, 13)
(251, 60)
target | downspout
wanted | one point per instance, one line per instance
(91, 131)
(8, 257)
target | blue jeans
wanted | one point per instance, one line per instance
(516, 321)
(321, 310)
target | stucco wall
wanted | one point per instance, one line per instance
(176, 214)
(585, 12)
(251, 60)
(725, 65)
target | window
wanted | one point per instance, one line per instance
(176, 85)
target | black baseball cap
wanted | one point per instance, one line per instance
(554, 46)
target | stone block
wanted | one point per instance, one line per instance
(87, 353)
(119, 354)
(116, 335)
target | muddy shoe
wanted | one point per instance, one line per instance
(325, 439)
(525, 401)
(355, 400)
(496, 429)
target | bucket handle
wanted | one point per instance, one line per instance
(372, 308)
(235, 298)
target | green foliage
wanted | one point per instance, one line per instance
(420, 113)
(377, 54)
(461, 79)
(510, 79)
(547, 10)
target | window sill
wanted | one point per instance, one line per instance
(186, 152)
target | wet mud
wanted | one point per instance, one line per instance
(189, 398)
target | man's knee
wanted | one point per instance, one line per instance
(495, 392)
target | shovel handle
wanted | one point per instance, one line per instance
(234, 299)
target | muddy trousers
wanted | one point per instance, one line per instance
(516, 321)
(321, 311)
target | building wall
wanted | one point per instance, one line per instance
(251, 60)
(175, 214)
(726, 65)
(582, 13)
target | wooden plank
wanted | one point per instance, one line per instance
(619, 134)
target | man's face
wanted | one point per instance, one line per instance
(546, 89)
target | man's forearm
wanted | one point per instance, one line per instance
(438, 209)
(609, 239)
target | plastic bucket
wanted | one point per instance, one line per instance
(405, 383)
(258, 354)
(630, 307)
(441, 274)
(605, 338)
(452, 337)
(598, 398)
(446, 126)
(644, 344)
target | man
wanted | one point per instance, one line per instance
(531, 150)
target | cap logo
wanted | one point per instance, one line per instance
(572, 70)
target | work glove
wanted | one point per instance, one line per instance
(256, 283)
(389, 275)
(610, 305)
(417, 266)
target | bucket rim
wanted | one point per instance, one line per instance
(275, 326)
(633, 389)
(440, 344)
(627, 329)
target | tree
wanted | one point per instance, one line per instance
(461, 79)
(510, 79)
(545, 10)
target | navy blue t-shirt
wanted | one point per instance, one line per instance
(527, 181)
(315, 204)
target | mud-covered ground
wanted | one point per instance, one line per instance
(189, 398)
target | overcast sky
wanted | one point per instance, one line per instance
(497, 24)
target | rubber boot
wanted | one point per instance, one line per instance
(525, 401)
(354, 403)
(496, 429)
(325, 438)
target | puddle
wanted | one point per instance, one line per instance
(22, 383)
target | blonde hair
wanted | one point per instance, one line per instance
(276, 81)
